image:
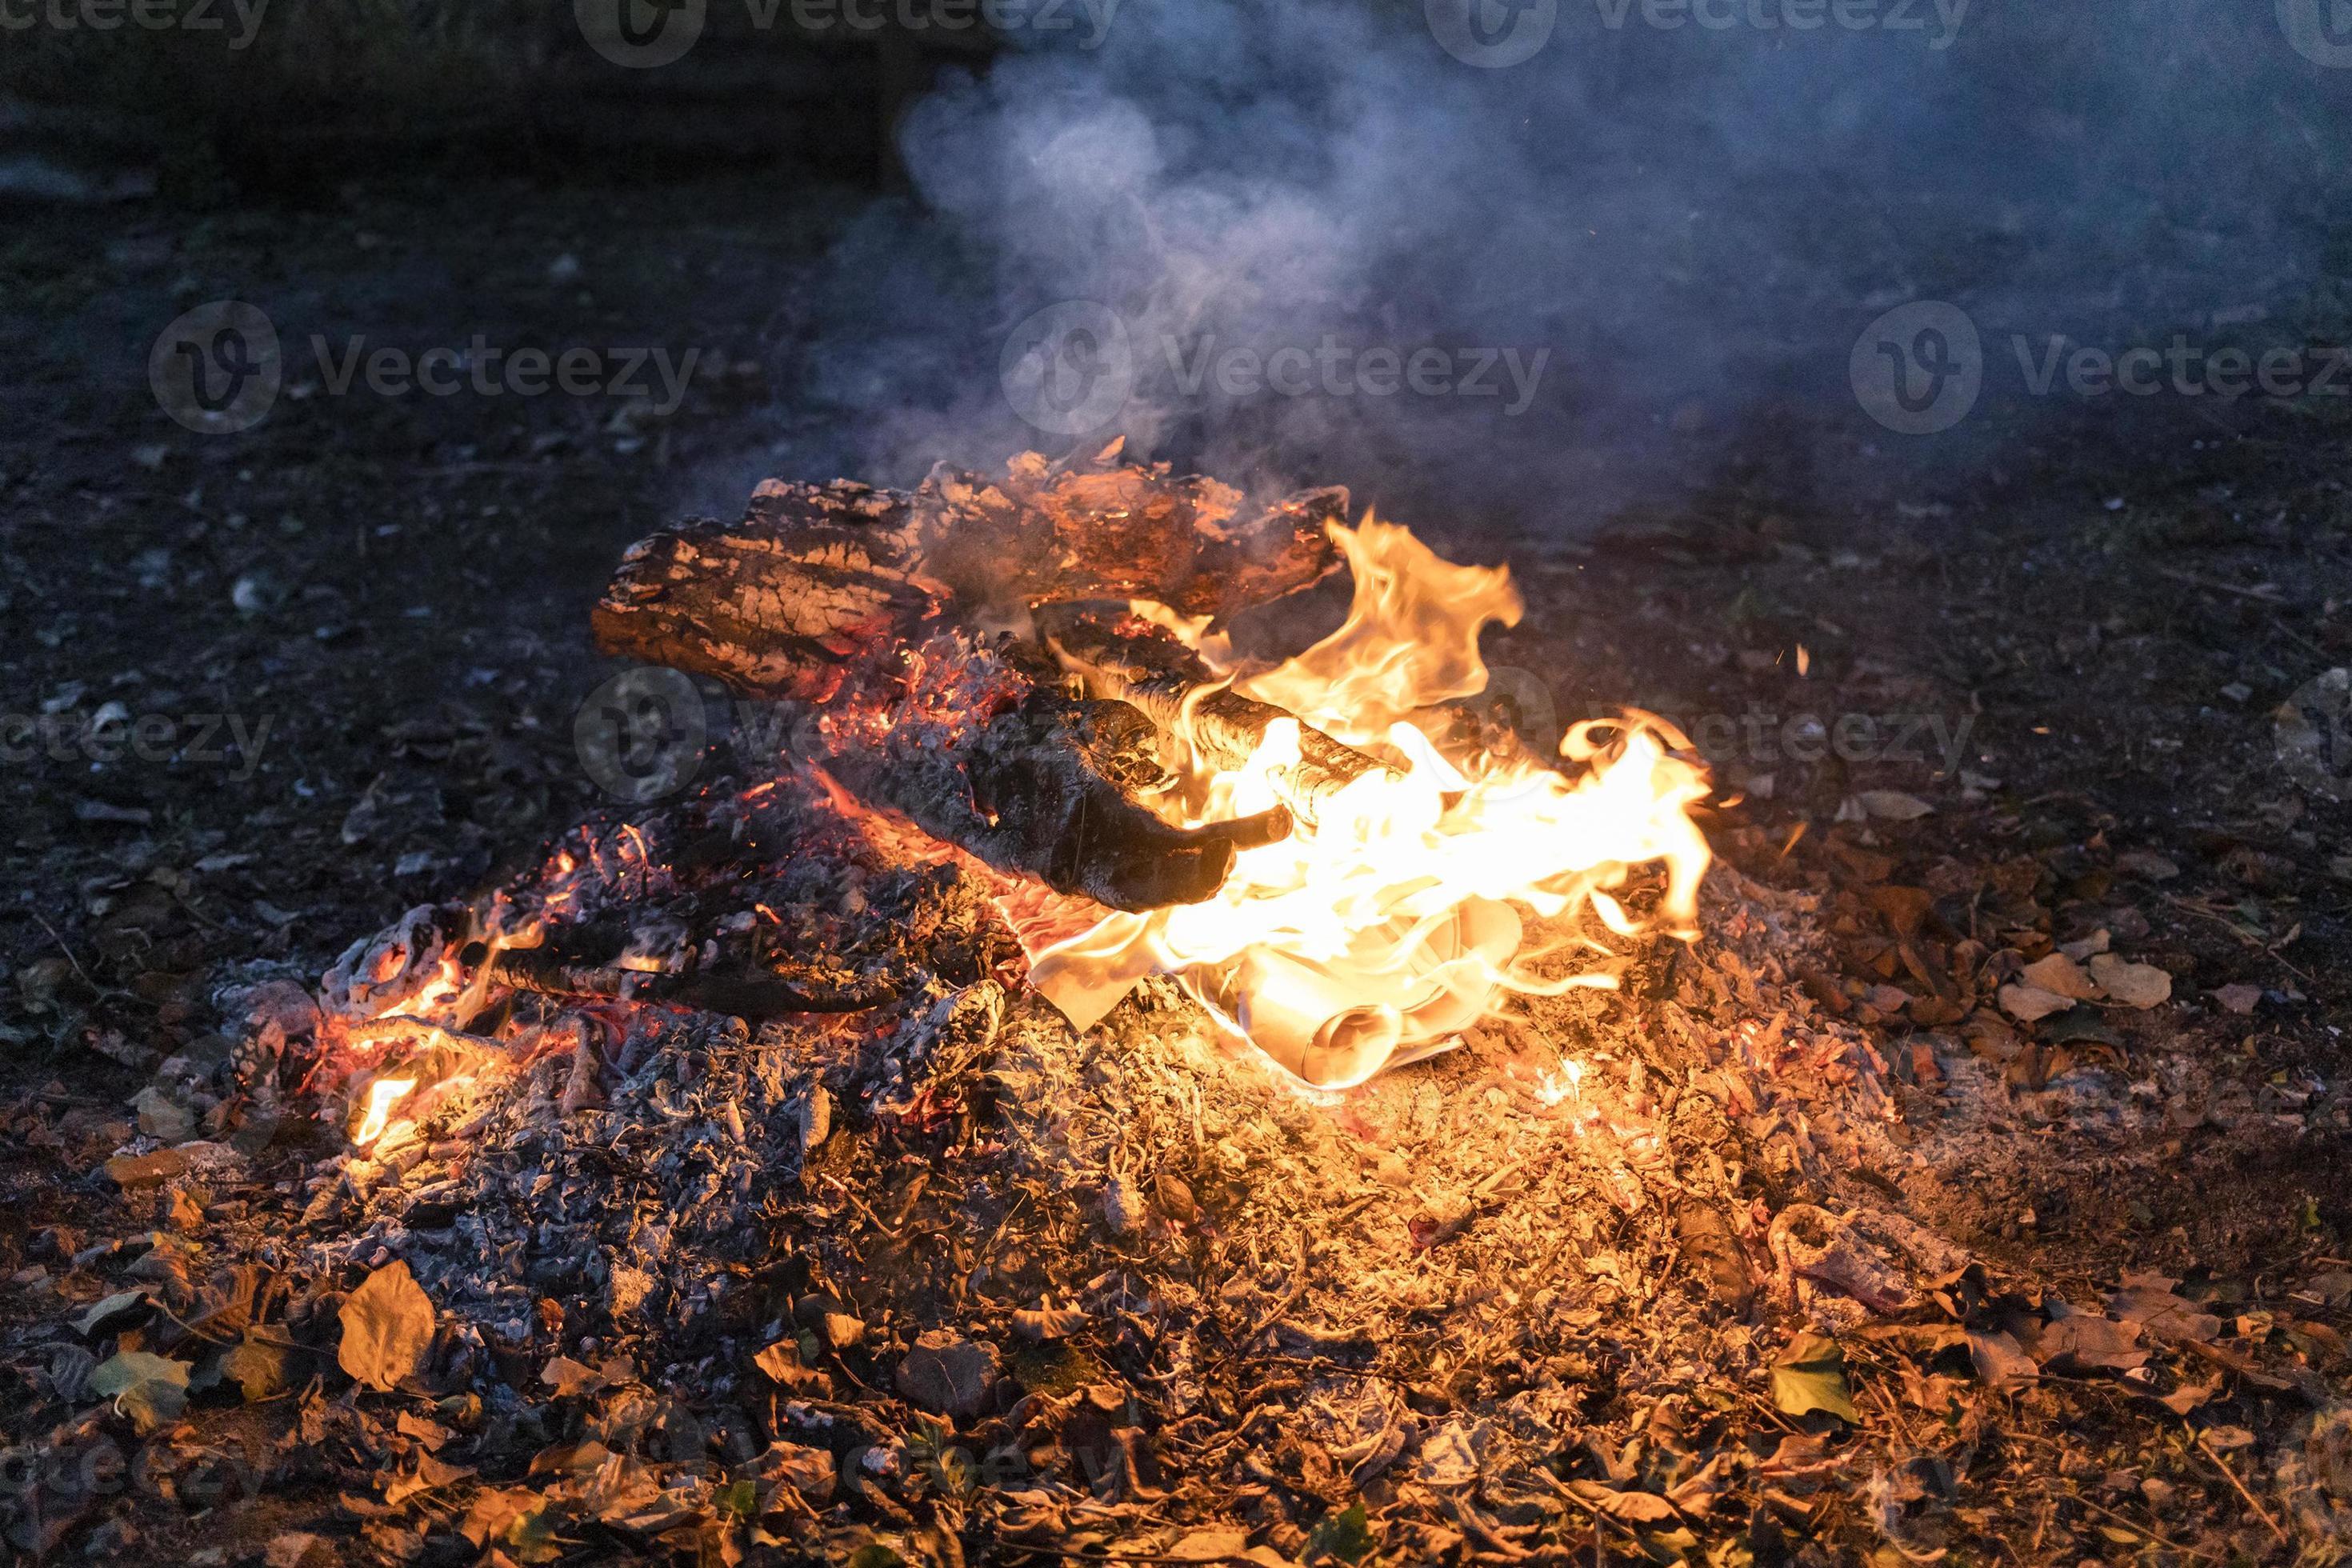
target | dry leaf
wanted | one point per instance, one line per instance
(2000, 1361)
(148, 1388)
(2190, 1396)
(2239, 998)
(2167, 1316)
(259, 1369)
(2086, 1341)
(289, 1549)
(2027, 1003)
(388, 1328)
(2133, 984)
(1812, 1377)
(569, 1377)
(1893, 804)
(1048, 1323)
(1628, 1508)
(2061, 974)
(430, 1475)
(2146, 865)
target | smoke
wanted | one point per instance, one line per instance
(1640, 254)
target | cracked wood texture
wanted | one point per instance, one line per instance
(861, 600)
(816, 579)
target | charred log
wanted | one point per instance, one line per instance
(1169, 684)
(817, 578)
(814, 594)
(1042, 789)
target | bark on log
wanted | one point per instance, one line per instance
(1043, 787)
(816, 579)
(1166, 682)
(815, 593)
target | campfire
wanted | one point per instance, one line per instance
(966, 1131)
(1072, 684)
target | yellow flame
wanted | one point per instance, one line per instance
(1380, 930)
(383, 1095)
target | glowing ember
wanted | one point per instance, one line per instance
(381, 1096)
(1391, 920)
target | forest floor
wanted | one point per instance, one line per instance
(270, 690)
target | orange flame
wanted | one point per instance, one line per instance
(1378, 932)
(383, 1095)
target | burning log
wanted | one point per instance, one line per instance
(818, 579)
(817, 591)
(1170, 686)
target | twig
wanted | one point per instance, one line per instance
(2267, 594)
(2234, 929)
(54, 936)
(2231, 1476)
(2164, 1541)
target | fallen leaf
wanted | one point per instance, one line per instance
(1810, 1376)
(2029, 1003)
(2162, 1313)
(291, 1548)
(430, 1475)
(259, 1369)
(1893, 804)
(1048, 1323)
(1346, 1534)
(2061, 974)
(148, 1388)
(2133, 984)
(2190, 1396)
(781, 1362)
(388, 1328)
(569, 1377)
(2097, 942)
(2146, 865)
(2000, 1361)
(808, 1471)
(2086, 1340)
(2240, 998)
(1627, 1507)
(114, 1312)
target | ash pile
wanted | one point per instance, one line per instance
(862, 1161)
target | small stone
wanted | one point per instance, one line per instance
(948, 1375)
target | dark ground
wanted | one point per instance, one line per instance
(399, 590)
